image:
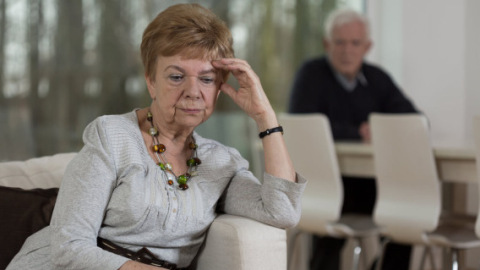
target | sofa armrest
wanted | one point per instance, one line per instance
(238, 243)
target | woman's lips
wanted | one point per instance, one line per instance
(191, 110)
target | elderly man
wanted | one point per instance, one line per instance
(345, 88)
(342, 85)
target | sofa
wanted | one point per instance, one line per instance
(28, 190)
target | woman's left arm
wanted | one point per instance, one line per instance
(251, 98)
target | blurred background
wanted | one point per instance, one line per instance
(63, 63)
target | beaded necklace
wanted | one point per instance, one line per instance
(159, 151)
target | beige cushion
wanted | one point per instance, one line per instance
(42, 172)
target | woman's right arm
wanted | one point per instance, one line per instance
(81, 205)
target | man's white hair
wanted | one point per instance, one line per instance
(343, 16)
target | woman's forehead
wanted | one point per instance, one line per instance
(184, 64)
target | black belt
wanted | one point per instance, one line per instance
(143, 255)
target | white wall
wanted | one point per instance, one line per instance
(472, 58)
(432, 49)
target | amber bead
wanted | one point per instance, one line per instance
(183, 186)
(193, 145)
(170, 182)
(149, 116)
(162, 148)
(159, 148)
(197, 161)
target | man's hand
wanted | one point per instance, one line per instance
(364, 131)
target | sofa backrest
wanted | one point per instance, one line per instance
(42, 172)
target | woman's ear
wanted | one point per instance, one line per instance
(150, 86)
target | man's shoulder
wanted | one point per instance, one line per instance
(318, 67)
(317, 62)
(370, 69)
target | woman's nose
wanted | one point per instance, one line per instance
(192, 87)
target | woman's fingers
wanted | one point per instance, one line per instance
(240, 69)
(250, 95)
(228, 89)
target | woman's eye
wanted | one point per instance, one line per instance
(207, 80)
(176, 77)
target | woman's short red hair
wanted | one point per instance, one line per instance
(191, 30)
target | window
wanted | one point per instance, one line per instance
(63, 63)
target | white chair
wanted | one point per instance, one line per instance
(408, 205)
(476, 137)
(457, 233)
(310, 144)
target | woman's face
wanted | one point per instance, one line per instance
(184, 91)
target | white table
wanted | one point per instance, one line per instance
(454, 163)
(456, 167)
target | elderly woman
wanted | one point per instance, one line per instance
(145, 182)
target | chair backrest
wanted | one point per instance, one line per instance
(310, 144)
(476, 138)
(408, 189)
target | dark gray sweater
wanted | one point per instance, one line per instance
(316, 89)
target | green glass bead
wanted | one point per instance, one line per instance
(191, 162)
(182, 179)
(162, 166)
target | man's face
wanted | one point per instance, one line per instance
(347, 48)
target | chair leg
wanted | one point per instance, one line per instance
(424, 256)
(451, 259)
(357, 251)
(427, 251)
(383, 247)
(446, 258)
(364, 254)
(432, 259)
(455, 253)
